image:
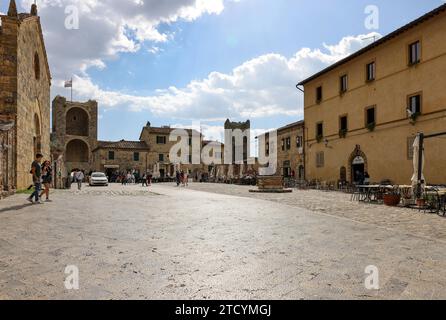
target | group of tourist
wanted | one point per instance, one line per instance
(182, 178)
(42, 174)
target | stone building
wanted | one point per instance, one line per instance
(25, 82)
(362, 113)
(114, 158)
(237, 149)
(159, 162)
(290, 150)
(74, 133)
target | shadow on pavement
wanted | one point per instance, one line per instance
(15, 208)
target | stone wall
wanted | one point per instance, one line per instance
(75, 133)
(25, 90)
(123, 160)
(33, 100)
(8, 66)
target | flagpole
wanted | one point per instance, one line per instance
(71, 89)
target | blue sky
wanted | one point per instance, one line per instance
(241, 32)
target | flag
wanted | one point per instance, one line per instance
(69, 84)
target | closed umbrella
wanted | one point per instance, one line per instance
(416, 167)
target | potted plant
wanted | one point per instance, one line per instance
(371, 126)
(392, 198)
(342, 133)
(421, 202)
(319, 138)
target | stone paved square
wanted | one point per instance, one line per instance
(212, 241)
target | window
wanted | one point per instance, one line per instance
(344, 83)
(415, 104)
(319, 130)
(370, 116)
(283, 144)
(318, 94)
(343, 123)
(288, 143)
(111, 155)
(320, 159)
(161, 157)
(190, 141)
(161, 140)
(299, 142)
(36, 66)
(414, 53)
(371, 71)
(136, 156)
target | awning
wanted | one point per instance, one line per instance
(111, 166)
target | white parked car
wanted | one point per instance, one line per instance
(98, 179)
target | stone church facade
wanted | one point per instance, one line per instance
(25, 82)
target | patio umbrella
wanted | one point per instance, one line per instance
(156, 171)
(416, 165)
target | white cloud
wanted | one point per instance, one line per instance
(261, 87)
(109, 27)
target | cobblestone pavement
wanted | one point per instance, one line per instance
(177, 243)
(338, 204)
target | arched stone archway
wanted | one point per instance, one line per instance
(77, 122)
(356, 154)
(77, 151)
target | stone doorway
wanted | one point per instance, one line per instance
(358, 164)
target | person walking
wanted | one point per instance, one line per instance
(36, 171)
(149, 179)
(182, 178)
(186, 179)
(144, 180)
(366, 178)
(47, 179)
(178, 178)
(79, 176)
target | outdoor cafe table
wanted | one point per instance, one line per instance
(373, 192)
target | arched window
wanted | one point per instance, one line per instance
(36, 66)
(77, 122)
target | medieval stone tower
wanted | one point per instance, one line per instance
(239, 145)
(25, 82)
(75, 132)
